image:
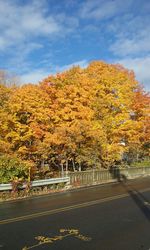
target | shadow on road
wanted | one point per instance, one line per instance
(139, 199)
(141, 202)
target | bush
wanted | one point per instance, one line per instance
(144, 163)
(12, 168)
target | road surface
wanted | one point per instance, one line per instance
(108, 217)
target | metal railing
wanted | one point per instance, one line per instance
(38, 183)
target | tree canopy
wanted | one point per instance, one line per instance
(79, 118)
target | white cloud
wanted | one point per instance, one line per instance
(20, 23)
(124, 47)
(101, 9)
(131, 45)
(82, 64)
(141, 67)
(39, 74)
(34, 76)
(127, 44)
(130, 35)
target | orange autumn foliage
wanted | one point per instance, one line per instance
(86, 117)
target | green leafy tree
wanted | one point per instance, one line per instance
(12, 168)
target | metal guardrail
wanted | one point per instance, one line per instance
(5, 187)
(38, 183)
(45, 182)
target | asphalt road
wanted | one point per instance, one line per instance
(114, 216)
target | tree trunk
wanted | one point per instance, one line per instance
(67, 167)
(73, 164)
(62, 170)
(42, 163)
(80, 167)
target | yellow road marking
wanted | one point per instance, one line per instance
(63, 233)
(59, 210)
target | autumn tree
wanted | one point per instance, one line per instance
(141, 115)
(114, 90)
(76, 119)
(71, 99)
(92, 112)
(5, 94)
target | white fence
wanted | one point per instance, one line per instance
(103, 176)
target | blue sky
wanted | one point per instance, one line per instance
(42, 37)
